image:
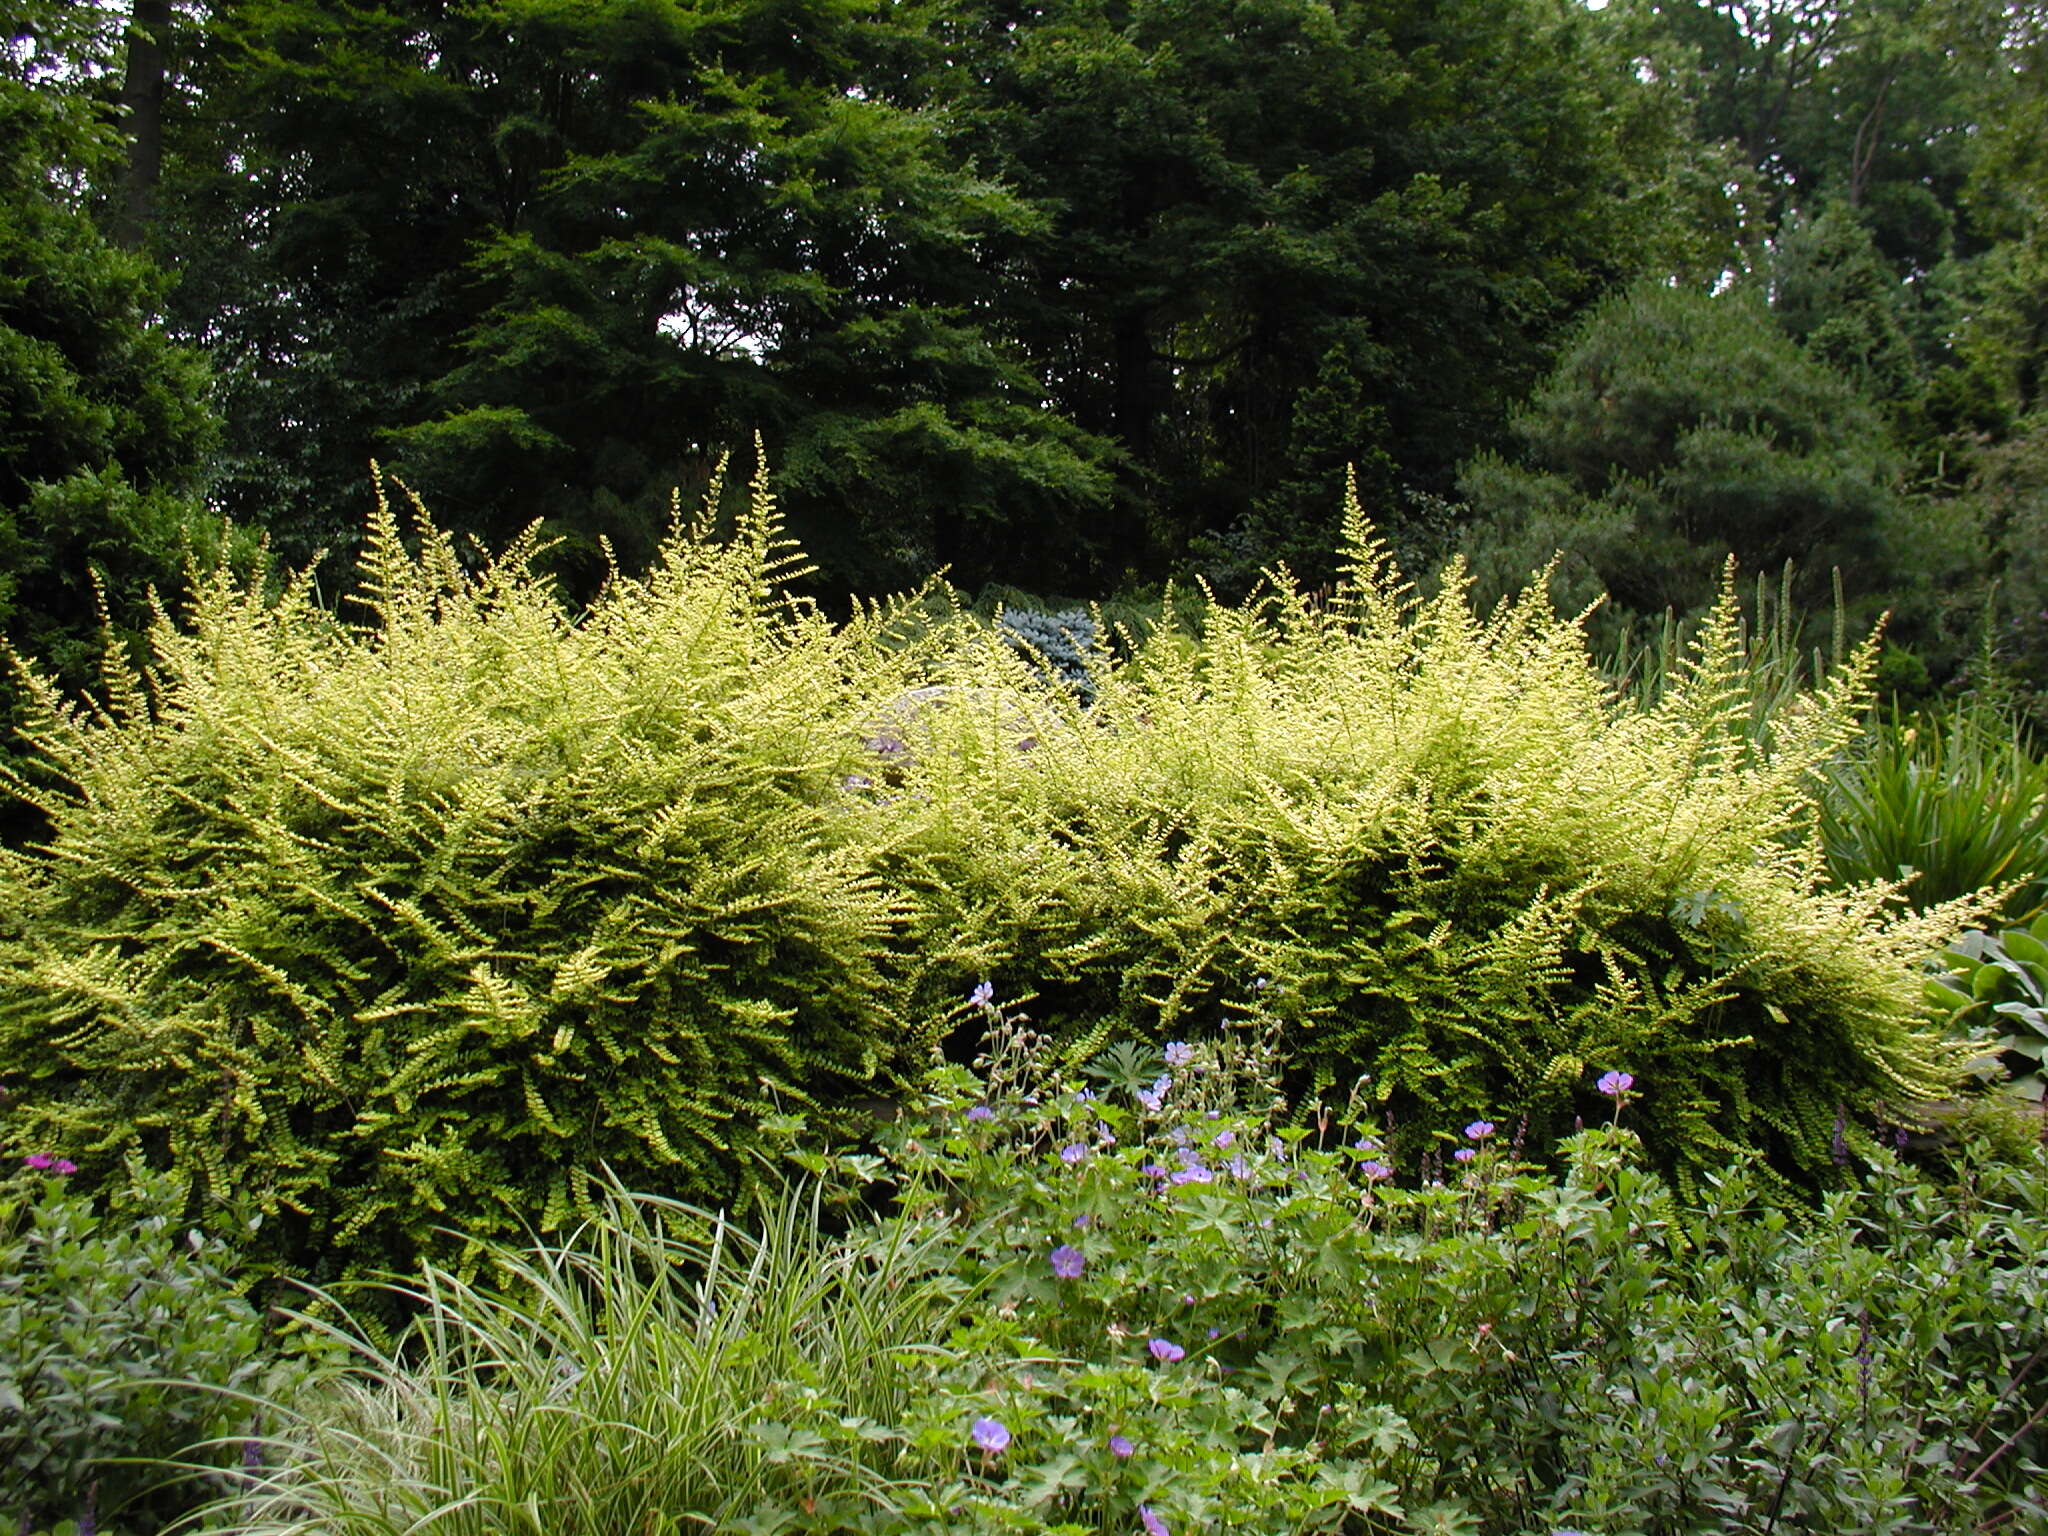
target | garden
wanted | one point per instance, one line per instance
(1337, 1061)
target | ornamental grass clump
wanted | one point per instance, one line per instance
(661, 1368)
(392, 927)
(1454, 863)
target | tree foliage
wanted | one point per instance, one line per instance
(104, 423)
(1679, 429)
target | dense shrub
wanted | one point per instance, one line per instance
(122, 1340)
(387, 927)
(1441, 850)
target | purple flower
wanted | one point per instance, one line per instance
(1166, 1351)
(980, 1114)
(1464, 1154)
(62, 1166)
(1239, 1168)
(1073, 1154)
(1374, 1171)
(1068, 1261)
(1223, 1138)
(1153, 1171)
(1615, 1084)
(1179, 1053)
(857, 781)
(1194, 1173)
(984, 993)
(1367, 1144)
(41, 1160)
(1154, 1526)
(1121, 1448)
(1479, 1130)
(1081, 1222)
(990, 1435)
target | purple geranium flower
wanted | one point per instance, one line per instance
(1121, 1448)
(990, 1435)
(39, 1160)
(1615, 1084)
(1464, 1154)
(1073, 1154)
(1068, 1261)
(1194, 1173)
(984, 993)
(1166, 1351)
(980, 1113)
(1374, 1170)
(1479, 1130)
(1154, 1526)
(1179, 1053)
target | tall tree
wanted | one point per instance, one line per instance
(1287, 235)
(104, 424)
(145, 76)
(553, 256)
(1869, 103)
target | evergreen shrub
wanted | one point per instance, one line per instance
(411, 922)
(407, 924)
(1057, 643)
(1458, 866)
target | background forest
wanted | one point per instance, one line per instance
(1070, 298)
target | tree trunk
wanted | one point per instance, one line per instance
(142, 118)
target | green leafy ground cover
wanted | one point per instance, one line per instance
(1122, 1301)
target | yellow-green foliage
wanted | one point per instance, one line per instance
(413, 923)
(1469, 875)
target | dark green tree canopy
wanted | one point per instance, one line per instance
(104, 424)
(1678, 429)
(1287, 236)
(1040, 293)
